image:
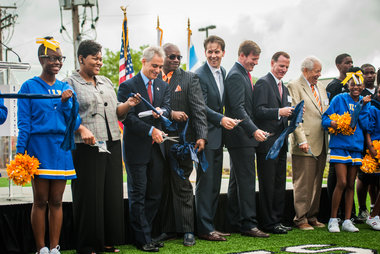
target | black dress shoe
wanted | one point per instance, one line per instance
(188, 239)
(286, 228)
(164, 237)
(277, 230)
(158, 244)
(149, 247)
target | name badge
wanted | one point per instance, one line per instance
(289, 99)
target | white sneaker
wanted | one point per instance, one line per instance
(55, 250)
(333, 225)
(349, 227)
(43, 250)
(374, 222)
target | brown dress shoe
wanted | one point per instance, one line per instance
(317, 224)
(305, 226)
(212, 236)
(221, 233)
(255, 232)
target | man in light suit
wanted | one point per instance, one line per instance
(241, 142)
(309, 136)
(211, 76)
(142, 140)
(272, 111)
(186, 101)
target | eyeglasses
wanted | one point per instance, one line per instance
(353, 84)
(173, 56)
(53, 59)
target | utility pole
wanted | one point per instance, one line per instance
(6, 20)
(76, 33)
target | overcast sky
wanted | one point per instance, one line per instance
(324, 28)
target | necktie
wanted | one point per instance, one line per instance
(150, 91)
(250, 79)
(219, 81)
(316, 97)
(280, 89)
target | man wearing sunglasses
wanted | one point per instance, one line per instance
(187, 102)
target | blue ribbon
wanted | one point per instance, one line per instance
(68, 142)
(183, 151)
(375, 103)
(169, 125)
(276, 147)
(355, 114)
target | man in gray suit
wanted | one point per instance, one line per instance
(211, 76)
(187, 102)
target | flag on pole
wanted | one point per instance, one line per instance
(159, 33)
(125, 62)
(192, 59)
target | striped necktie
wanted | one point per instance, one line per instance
(316, 97)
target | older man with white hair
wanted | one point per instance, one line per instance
(309, 144)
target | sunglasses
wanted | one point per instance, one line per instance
(173, 56)
(53, 59)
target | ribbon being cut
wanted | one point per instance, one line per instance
(185, 150)
(68, 141)
(296, 120)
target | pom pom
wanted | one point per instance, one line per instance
(343, 124)
(22, 169)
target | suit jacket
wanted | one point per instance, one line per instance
(214, 104)
(186, 95)
(267, 102)
(239, 105)
(137, 142)
(311, 130)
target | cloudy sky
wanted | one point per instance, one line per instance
(324, 28)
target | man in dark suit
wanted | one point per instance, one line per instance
(186, 101)
(142, 141)
(272, 109)
(241, 142)
(211, 76)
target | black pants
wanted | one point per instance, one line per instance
(98, 207)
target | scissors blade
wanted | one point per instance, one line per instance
(309, 152)
(173, 139)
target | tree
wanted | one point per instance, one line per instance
(111, 59)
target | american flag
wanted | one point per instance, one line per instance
(125, 62)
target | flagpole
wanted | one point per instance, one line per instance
(159, 32)
(189, 32)
(125, 32)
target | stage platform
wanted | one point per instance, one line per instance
(16, 234)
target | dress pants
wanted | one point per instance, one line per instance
(272, 185)
(98, 206)
(144, 194)
(307, 183)
(207, 190)
(241, 193)
(177, 207)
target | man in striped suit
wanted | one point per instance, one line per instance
(186, 100)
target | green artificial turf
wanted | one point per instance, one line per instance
(366, 238)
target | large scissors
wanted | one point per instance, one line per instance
(173, 139)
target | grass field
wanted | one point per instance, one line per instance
(366, 238)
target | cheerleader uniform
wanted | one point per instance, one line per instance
(42, 124)
(346, 148)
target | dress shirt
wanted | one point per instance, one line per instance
(218, 76)
(146, 80)
(277, 81)
(97, 106)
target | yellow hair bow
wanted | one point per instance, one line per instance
(48, 43)
(355, 76)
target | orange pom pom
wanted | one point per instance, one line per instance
(343, 124)
(22, 169)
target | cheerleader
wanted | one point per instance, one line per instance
(346, 148)
(3, 111)
(374, 134)
(42, 124)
